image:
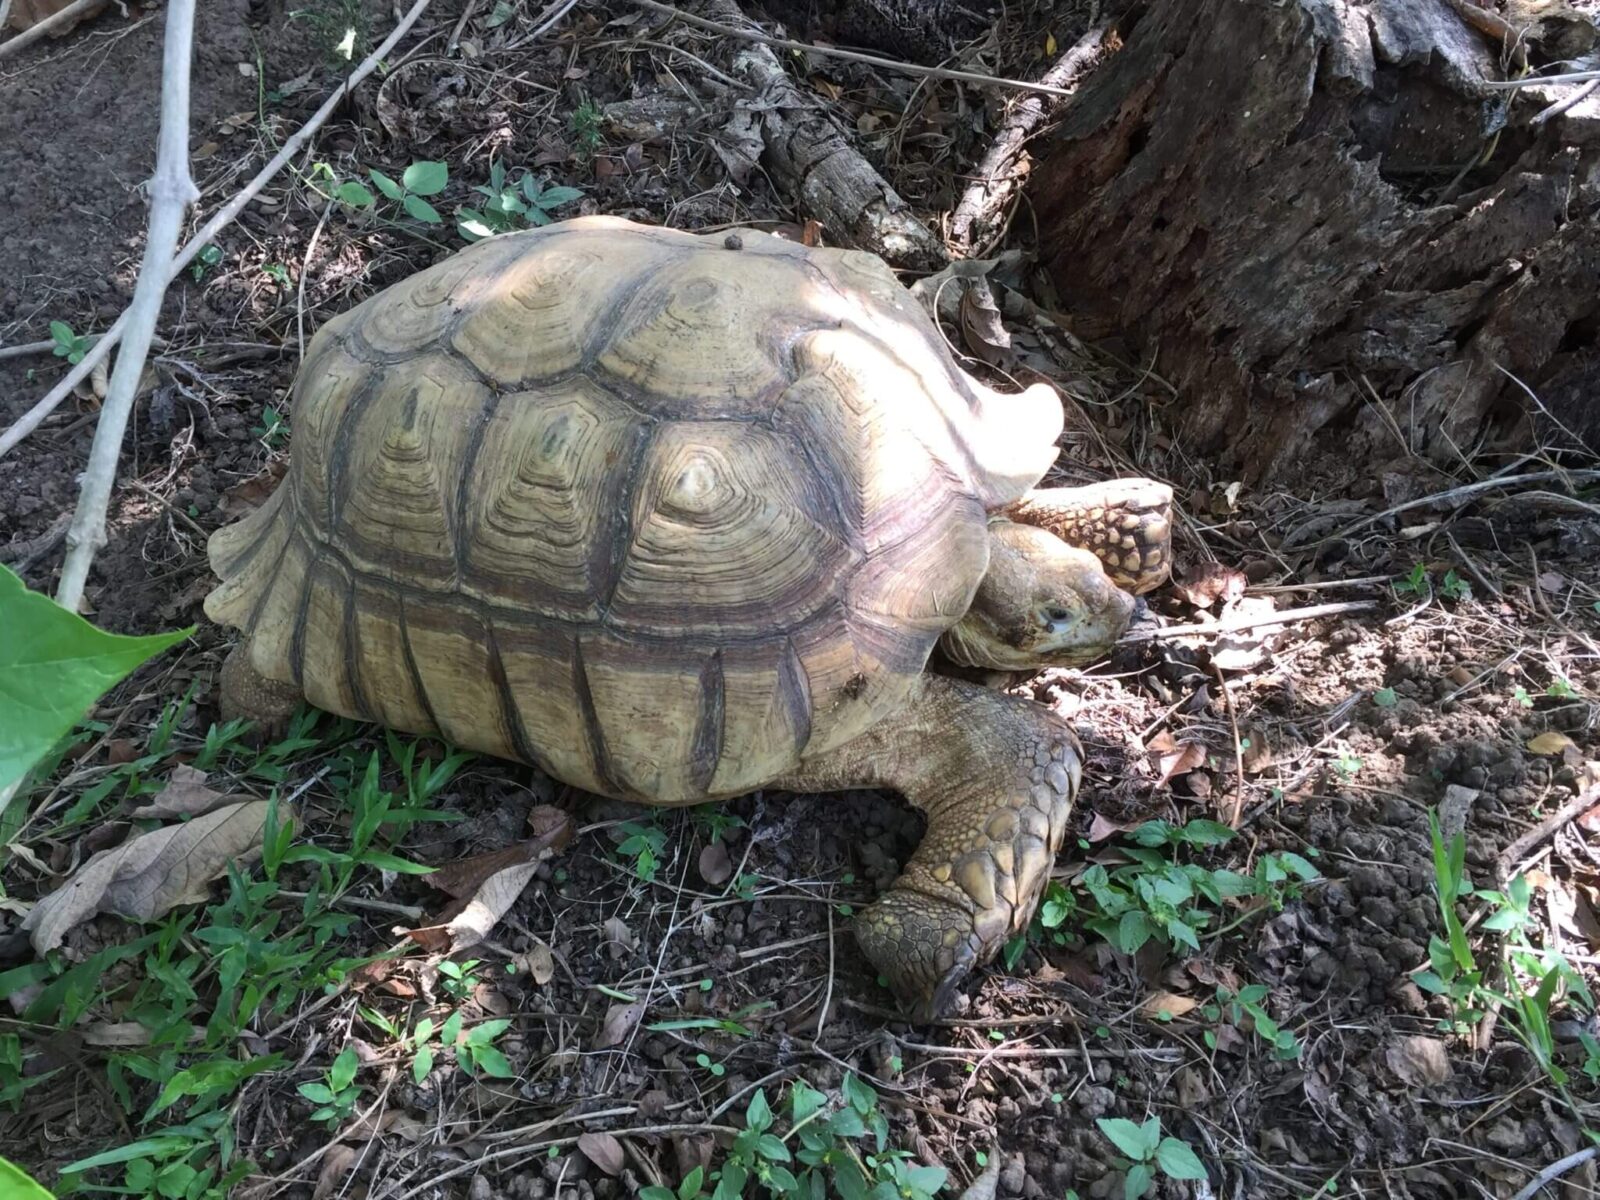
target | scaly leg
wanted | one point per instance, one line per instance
(247, 693)
(997, 777)
(1125, 523)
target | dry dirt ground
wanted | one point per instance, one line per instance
(1331, 738)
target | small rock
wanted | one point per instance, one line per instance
(1418, 1061)
(480, 1189)
(1012, 1175)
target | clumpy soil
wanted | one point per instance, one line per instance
(1343, 730)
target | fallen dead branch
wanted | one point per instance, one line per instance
(994, 181)
(811, 159)
(1512, 854)
(224, 216)
(172, 191)
(33, 33)
(871, 60)
(1286, 617)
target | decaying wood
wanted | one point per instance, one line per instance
(809, 157)
(1298, 202)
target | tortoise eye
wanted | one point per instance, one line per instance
(1058, 614)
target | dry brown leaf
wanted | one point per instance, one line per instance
(1553, 583)
(126, 1033)
(186, 795)
(149, 875)
(252, 493)
(336, 1164)
(1418, 1061)
(619, 1022)
(983, 330)
(539, 964)
(616, 931)
(603, 1150)
(1186, 757)
(1167, 1005)
(468, 922)
(368, 1126)
(1101, 827)
(1257, 753)
(716, 868)
(119, 751)
(1206, 583)
(1549, 742)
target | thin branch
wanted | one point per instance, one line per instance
(1566, 102)
(1555, 1170)
(31, 420)
(172, 191)
(34, 32)
(24, 349)
(1286, 617)
(750, 35)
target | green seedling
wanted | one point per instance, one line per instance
(1249, 1007)
(1148, 1153)
(68, 345)
(585, 124)
(336, 1093)
(1414, 583)
(272, 429)
(417, 181)
(1453, 587)
(643, 844)
(208, 257)
(457, 979)
(510, 203)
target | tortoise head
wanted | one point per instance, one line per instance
(1042, 603)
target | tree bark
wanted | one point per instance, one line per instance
(1312, 207)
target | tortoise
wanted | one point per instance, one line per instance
(675, 517)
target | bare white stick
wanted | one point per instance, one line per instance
(225, 215)
(172, 191)
(34, 32)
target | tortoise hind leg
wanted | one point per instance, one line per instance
(1125, 523)
(996, 777)
(247, 693)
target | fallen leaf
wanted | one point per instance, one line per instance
(1258, 753)
(252, 493)
(186, 795)
(336, 1164)
(1549, 742)
(986, 1185)
(1206, 583)
(1166, 1005)
(546, 821)
(1181, 760)
(539, 964)
(981, 326)
(119, 751)
(368, 1126)
(1101, 827)
(616, 931)
(149, 875)
(126, 1033)
(1552, 582)
(603, 1150)
(619, 1022)
(1418, 1061)
(716, 868)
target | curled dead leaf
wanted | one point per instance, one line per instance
(981, 327)
(186, 795)
(1183, 758)
(1549, 742)
(716, 868)
(1207, 582)
(603, 1150)
(149, 875)
(1167, 1005)
(336, 1164)
(1101, 827)
(619, 1022)
(986, 1185)
(1418, 1061)
(538, 963)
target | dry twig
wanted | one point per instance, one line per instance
(224, 216)
(172, 191)
(1287, 616)
(34, 32)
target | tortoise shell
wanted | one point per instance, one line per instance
(658, 512)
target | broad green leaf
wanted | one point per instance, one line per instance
(771, 1148)
(422, 210)
(354, 194)
(485, 1034)
(53, 666)
(422, 1064)
(17, 1184)
(926, 1179)
(759, 1115)
(426, 178)
(491, 1062)
(557, 196)
(386, 185)
(471, 225)
(1138, 1181)
(690, 1187)
(656, 1192)
(1206, 833)
(317, 1093)
(343, 1071)
(1178, 1159)
(1300, 866)
(861, 1096)
(1125, 1135)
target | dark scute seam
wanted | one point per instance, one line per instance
(508, 705)
(598, 754)
(705, 752)
(297, 644)
(619, 541)
(261, 598)
(352, 651)
(466, 483)
(416, 674)
(794, 689)
(337, 483)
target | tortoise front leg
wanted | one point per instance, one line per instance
(996, 776)
(1125, 523)
(245, 692)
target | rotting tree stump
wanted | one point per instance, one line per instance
(1314, 208)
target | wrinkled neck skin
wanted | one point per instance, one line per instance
(1042, 603)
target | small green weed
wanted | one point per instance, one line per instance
(821, 1154)
(68, 345)
(279, 274)
(208, 257)
(1453, 587)
(1148, 1152)
(1415, 582)
(1385, 698)
(1249, 1003)
(643, 844)
(418, 180)
(585, 124)
(272, 429)
(457, 979)
(337, 1092)
(512, 203)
